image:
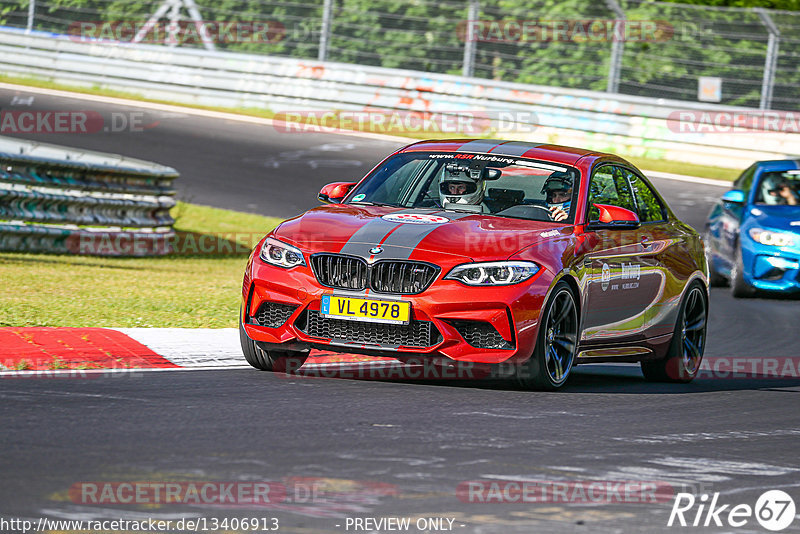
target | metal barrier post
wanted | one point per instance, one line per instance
(172, 8)
(470, 39)
(771, 59)
(31, 14)
(325, 32)
(617, 47)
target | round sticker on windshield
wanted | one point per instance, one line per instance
(359, 197)
(415, 218)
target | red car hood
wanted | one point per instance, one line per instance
(419, 234)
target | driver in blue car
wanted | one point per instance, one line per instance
(558, 191)
(785, 194)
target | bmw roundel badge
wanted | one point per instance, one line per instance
(376, 250)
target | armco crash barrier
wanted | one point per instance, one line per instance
(53, 199)
(628, 125)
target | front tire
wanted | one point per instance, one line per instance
(269, 360)
(556, 345)
(688, 341)
(739, 286)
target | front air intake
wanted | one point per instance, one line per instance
(273, 314)
(481, 335)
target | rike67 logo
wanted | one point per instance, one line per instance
(774, 511)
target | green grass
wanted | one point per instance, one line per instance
(675, 167)
(191, 291)
(688, 169)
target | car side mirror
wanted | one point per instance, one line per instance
(614, 218)
(734, 196)
(335, 192)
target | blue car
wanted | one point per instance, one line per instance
(753, 232)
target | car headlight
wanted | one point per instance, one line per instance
(498, 273)
(277, 253)
(775, 239)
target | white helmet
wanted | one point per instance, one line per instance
(458, 184)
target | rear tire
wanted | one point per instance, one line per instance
(556, 345)
(739, 286)
(688, 341)
(269, 360)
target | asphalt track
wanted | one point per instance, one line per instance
(415, 440)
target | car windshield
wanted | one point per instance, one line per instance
(779, 188)
(504, 186)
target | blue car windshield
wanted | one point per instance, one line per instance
(780, 188)
(504, 186)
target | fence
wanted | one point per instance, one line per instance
(632, 47)
(59, 200)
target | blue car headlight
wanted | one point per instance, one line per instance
(775, 239)
(280, 254)
(497, 273)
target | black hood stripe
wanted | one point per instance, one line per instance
(403, 240)
(373, 233)
(411, 235)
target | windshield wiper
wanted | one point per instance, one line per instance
(450, 208)
(369, 203)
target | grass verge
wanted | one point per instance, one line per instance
(173, 291)
(676, 167)
(687, 169)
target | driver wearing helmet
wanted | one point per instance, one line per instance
(558, 191)
(461, 186)
(784, 194)
(778, 190)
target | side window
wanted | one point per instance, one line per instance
(390, 189)
(648, 206)
(745, 181)
(609, 186)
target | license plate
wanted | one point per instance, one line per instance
(369, 310)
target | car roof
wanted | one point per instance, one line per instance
(543, 151)
(778, 165)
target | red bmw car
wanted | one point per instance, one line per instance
(534, 256)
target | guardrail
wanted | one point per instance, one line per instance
(632, 126)
(58, 200)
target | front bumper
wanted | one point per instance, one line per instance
(775, 272)
(449, 320)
